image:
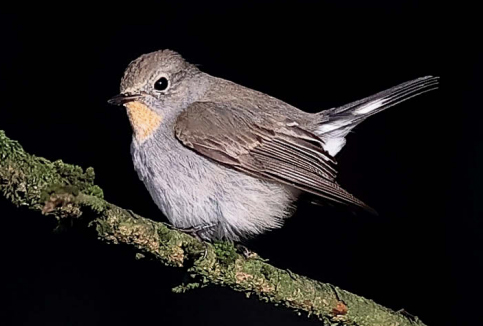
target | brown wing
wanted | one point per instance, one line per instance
(263, 146)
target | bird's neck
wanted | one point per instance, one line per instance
(144, 121)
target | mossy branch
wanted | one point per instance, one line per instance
(66, 192)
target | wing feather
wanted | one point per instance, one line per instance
(268, 148)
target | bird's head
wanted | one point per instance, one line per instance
(155, 86)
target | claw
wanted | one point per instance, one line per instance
(131, 213)
(205, 252)
(247, 253)
(198, 231)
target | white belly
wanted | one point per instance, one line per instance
(192, 191)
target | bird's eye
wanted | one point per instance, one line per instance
(161, 84)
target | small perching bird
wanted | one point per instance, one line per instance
(228, 162)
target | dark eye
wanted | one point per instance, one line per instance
(161, 84)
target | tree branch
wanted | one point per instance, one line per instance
(66, 192)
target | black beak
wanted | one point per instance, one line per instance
(123, 98)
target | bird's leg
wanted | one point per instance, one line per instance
(199, 232)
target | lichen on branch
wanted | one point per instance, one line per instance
(66, 191)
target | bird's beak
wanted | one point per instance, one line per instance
(123, 98)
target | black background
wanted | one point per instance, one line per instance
(419, 163)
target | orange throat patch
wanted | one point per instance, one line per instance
(143, 120)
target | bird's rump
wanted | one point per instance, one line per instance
(269, 147)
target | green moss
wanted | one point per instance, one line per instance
(139, 256)
(96, 204)
(28, 180)
(182, 288)
(225, 253)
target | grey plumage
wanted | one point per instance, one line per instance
(215, 152)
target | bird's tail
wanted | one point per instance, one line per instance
(334, 124)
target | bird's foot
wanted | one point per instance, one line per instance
(245, 252)
(131, 213)
(199, 232)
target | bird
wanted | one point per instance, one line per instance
(223, 161)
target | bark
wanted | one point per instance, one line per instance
(67, 192)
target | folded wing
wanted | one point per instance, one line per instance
(270, 148)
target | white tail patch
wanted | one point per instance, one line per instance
(371, 106)
(334, 145)
(337, 122)
(329, 126)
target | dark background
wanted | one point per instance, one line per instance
(419, 163)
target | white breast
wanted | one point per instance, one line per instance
(191, 190)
